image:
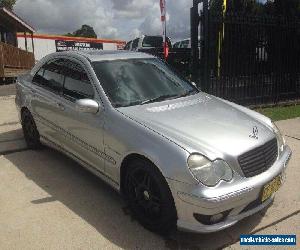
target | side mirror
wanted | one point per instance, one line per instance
(87, 106)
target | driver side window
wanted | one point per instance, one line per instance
(76, 84)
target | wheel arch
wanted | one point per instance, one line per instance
(125, 164)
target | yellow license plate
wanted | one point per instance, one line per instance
(271, 188)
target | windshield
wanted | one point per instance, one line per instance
(140, 81)
(155, 42)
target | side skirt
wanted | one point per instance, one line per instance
(87, 166)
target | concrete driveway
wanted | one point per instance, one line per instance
(48, 201)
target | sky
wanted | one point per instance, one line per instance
(117, 19)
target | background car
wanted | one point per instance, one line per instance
(145, 42)
(183, 44)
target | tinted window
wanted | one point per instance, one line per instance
(155, 41)
(39, 76)
(185, 44)
(50, 76)
(77, 84)
(176, 45)
(136, 81)
(135, 43)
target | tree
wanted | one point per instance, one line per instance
(9, 4)
(84, 31)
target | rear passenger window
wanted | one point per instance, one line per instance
(77, 84)
(39, 76)
(53, 76)
(50, 76)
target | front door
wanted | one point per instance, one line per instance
(83, 132)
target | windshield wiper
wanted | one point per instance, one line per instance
(157, 99)
(121, 105)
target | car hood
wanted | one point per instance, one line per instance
(205, 124)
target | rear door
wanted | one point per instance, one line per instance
(45, 108)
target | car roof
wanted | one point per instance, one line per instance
(106, 55)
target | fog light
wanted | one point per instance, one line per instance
(216, 218)
(211, 219)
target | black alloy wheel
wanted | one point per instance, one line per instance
(149, 197)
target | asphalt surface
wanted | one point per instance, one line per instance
(48, 201)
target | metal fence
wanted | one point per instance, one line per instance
(249, 59)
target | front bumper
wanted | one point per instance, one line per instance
(237, 200)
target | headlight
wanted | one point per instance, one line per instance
(209, 172)
(280, 139)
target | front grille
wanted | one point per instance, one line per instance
(259, 159)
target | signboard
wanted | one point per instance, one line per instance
(62, 45)
(120, 46)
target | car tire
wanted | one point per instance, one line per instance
(149, 197)
(30, 131)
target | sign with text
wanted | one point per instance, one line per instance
(267, 239)
(62, 45)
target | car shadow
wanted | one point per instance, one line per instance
(11, 135)
(103, 208)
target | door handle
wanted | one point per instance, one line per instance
(60, 106)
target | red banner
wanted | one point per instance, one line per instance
(163, 10)
(163, 20)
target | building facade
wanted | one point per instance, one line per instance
(44, 44)
(13, 60)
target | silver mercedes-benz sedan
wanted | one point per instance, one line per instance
(179, 156)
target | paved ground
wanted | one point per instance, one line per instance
(7, 89)
(48, 201)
